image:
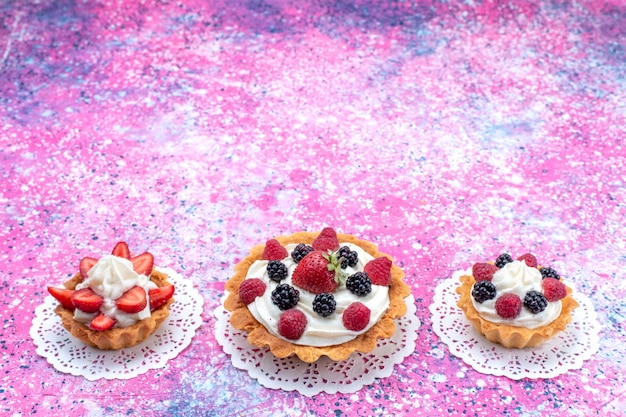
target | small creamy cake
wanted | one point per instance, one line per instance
(116, 301)
(514, 302)
(314, 294)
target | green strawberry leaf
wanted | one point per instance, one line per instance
(334, 264)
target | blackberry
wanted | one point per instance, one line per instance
(300, 252)
(285, 296)
(348, 257)
(549, 273)
(324, 304)
(359, 284)
(503, 259)
(483, 291)
(276, 270)
(535, 302)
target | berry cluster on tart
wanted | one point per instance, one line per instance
(116, 301)
(316, 294)
(516, 303)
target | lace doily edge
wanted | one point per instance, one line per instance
(164, 358)
(594, 330)
(386, 372)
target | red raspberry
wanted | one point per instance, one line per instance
(274, 251)
(250, 289)
(379, 271)
(508, 306)
(291, 324)
(356, 316)
(553, 289)
(326, 240)
(530, 259)
(483, 271)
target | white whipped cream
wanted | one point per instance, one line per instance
(110, 278)
(517, 278)
(320, 331)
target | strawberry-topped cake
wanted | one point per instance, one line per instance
(314, 294)
(516, 303)
(116, 301)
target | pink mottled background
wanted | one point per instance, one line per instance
(446, 132)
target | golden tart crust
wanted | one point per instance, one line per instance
(116, 338)
(258, 335)
(512, 336)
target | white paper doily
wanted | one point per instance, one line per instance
(68, 354)
(565, 351)
(324, 375)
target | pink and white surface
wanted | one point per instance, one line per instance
(445, 132)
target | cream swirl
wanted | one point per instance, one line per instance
(320, 331)
(110, 278)
(517, 278)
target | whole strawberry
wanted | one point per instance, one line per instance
(327, 240)
(379, 271)
(318, 272)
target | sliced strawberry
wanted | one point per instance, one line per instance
(86, 300)
(132, 301)
(143, 264)
(101, 323)
(63, 295)
(160, 296)
(85, 265)
(121, 250)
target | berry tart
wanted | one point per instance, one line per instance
(515, 302)
(114, 302)
(316, 294)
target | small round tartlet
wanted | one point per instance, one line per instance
(258, 335)
(511, 336)
(118, 337)
(143, 307)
